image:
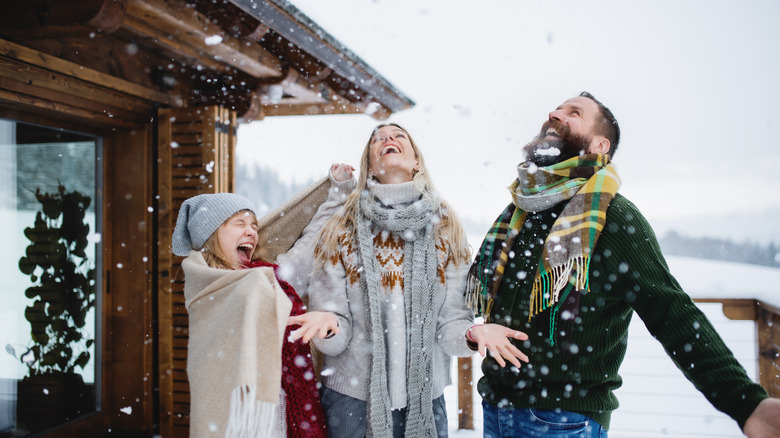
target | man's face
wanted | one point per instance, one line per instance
(568, 132)
(555, 143)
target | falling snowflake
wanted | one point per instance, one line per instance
(213, 40)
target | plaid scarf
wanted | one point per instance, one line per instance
(589, 183)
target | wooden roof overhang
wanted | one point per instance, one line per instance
(257, 57)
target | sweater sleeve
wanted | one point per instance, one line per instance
(297, 264)
(640, 275)
(330, 284)
(454, 317)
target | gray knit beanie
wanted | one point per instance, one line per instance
(201, 215)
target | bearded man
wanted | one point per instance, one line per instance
(568, 262)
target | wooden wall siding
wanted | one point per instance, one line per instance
(195, 155)
(34, 81)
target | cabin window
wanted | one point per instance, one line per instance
(49, 276)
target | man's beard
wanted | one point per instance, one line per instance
(544, 153)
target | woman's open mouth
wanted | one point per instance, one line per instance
(390, 149)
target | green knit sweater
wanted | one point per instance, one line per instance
(576, 350)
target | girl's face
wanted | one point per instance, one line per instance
(237, 238)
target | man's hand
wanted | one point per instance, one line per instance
(494, 338)
(764, 422)
(312, 324)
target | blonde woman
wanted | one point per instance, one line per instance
(392, 266)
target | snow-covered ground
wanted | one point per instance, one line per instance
(656, 400)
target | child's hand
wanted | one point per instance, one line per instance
(341, 172)
(324, 324)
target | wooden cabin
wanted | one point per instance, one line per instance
(112, 113)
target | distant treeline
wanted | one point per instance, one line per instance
(264, 187)
(672, 243)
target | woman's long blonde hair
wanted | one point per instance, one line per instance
(450, 227)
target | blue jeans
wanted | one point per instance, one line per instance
(537, 423)
(346, 416)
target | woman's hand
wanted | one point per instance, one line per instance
(341, 172)
(495, 339)
(324, 324)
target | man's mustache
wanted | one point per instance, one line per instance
(561, 128)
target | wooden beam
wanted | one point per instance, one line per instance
(336, 105)
(735, 309)
(25, 20)
(31, 80)
(233, 20)
(61, 110)
(181, 29)
(165, 275)
(34, 57)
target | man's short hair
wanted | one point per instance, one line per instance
(607, 126)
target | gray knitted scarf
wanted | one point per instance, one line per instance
(413, 224)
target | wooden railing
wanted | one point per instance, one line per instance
(767, 322)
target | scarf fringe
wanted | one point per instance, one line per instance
(479, 301)
(250, 417)
(547, 286)
(475, 299)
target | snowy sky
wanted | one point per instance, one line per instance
(693, 83)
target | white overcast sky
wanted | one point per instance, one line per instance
(693, 84)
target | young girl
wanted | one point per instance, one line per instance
(246, 378)
(394, 262)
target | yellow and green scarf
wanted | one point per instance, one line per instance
(589, 183)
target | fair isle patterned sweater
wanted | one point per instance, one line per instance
(337, 288)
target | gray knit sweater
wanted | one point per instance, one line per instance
(337, 288)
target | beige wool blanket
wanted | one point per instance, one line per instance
(281, 227)
(237, 321)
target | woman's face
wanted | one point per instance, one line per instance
(391, 157)
(238, 238)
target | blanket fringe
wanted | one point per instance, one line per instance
(250, 417)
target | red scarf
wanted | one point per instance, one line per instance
(305, 417)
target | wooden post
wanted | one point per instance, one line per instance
(465, 394)
(768, 333)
